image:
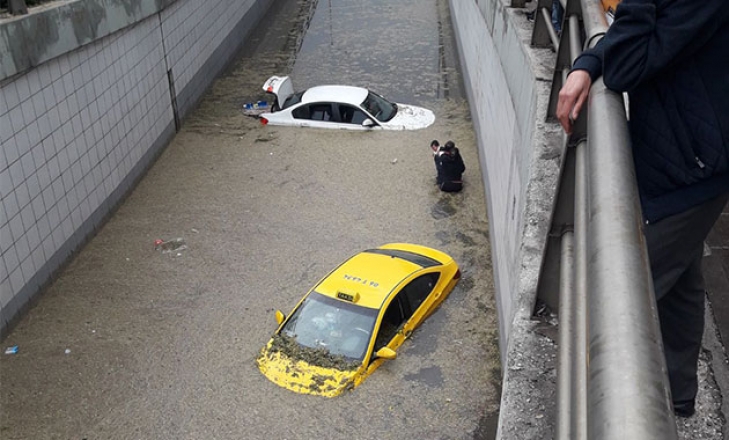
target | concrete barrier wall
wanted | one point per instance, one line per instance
(505, 84)
(86, 105)
(508, 84)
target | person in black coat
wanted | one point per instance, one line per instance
(671, 57)
(449, 166)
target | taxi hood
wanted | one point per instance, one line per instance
(302, 377)
(281, 87)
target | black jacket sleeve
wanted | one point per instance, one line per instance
(648, 36)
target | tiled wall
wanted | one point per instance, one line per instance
(71, 131)
(78, 130)
(200, 38)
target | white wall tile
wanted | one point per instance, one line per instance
(39, 208)
(6, 130)
(28, 164)
(23, 88)
(44, 176)
(48, 197)
(64, 112)
(16, 118)
(23, 142)
(16, 226)
(58, 142)
(38, 257)
(54, 118)
(34, 134)
(6, 183)
(39, 103)
(6, 238)
(16, 278)
(27, 216)
(54, 217)
(3, 164)
(27, 266)
(67, 84)
(28, 112)
(10, 202)
(16, 173)
(33, 237)
(33, 186)
(67, 133)
(3, 276)
(21, 246)
(44, 125)
(59, 92)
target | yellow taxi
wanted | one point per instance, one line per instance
(356, 317)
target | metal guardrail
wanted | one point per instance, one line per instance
(612, 381)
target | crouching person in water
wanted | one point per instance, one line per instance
(449, 165)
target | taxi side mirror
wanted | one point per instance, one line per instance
(386, 353)
(280, 317)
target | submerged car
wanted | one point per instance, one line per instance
(356, 317)
(341, 107)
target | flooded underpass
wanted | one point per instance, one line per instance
(130, 342)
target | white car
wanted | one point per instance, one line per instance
(341, 107)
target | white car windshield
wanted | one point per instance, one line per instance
(379, 107)
(340, 327)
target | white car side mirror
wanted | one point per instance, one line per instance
(369, 123)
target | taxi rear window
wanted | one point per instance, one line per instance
(420, 260)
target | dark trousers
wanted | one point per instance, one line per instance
(676, 247)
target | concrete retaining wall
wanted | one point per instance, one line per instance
(508, 84)
(89, 95)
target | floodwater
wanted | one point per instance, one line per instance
(130, 342)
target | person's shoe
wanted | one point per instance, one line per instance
(685, 408)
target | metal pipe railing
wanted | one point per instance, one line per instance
(628, 393)
(612, 381)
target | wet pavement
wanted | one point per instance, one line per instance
(130, 342)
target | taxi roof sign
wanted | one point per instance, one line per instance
(351, 297)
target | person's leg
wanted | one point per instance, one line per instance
(675, 248)
(681, 314)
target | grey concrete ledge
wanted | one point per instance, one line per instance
(47, 32)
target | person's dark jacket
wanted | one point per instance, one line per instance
(672, 57)
(450, 167)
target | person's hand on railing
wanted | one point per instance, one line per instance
(572, 97)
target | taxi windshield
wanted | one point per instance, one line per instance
(379, 107)
(342, 328)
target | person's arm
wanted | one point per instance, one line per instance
(647, 36)
(572, 96)
(644, 39)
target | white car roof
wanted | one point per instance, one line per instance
(345, 94)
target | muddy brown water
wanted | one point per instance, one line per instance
(164, 346)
